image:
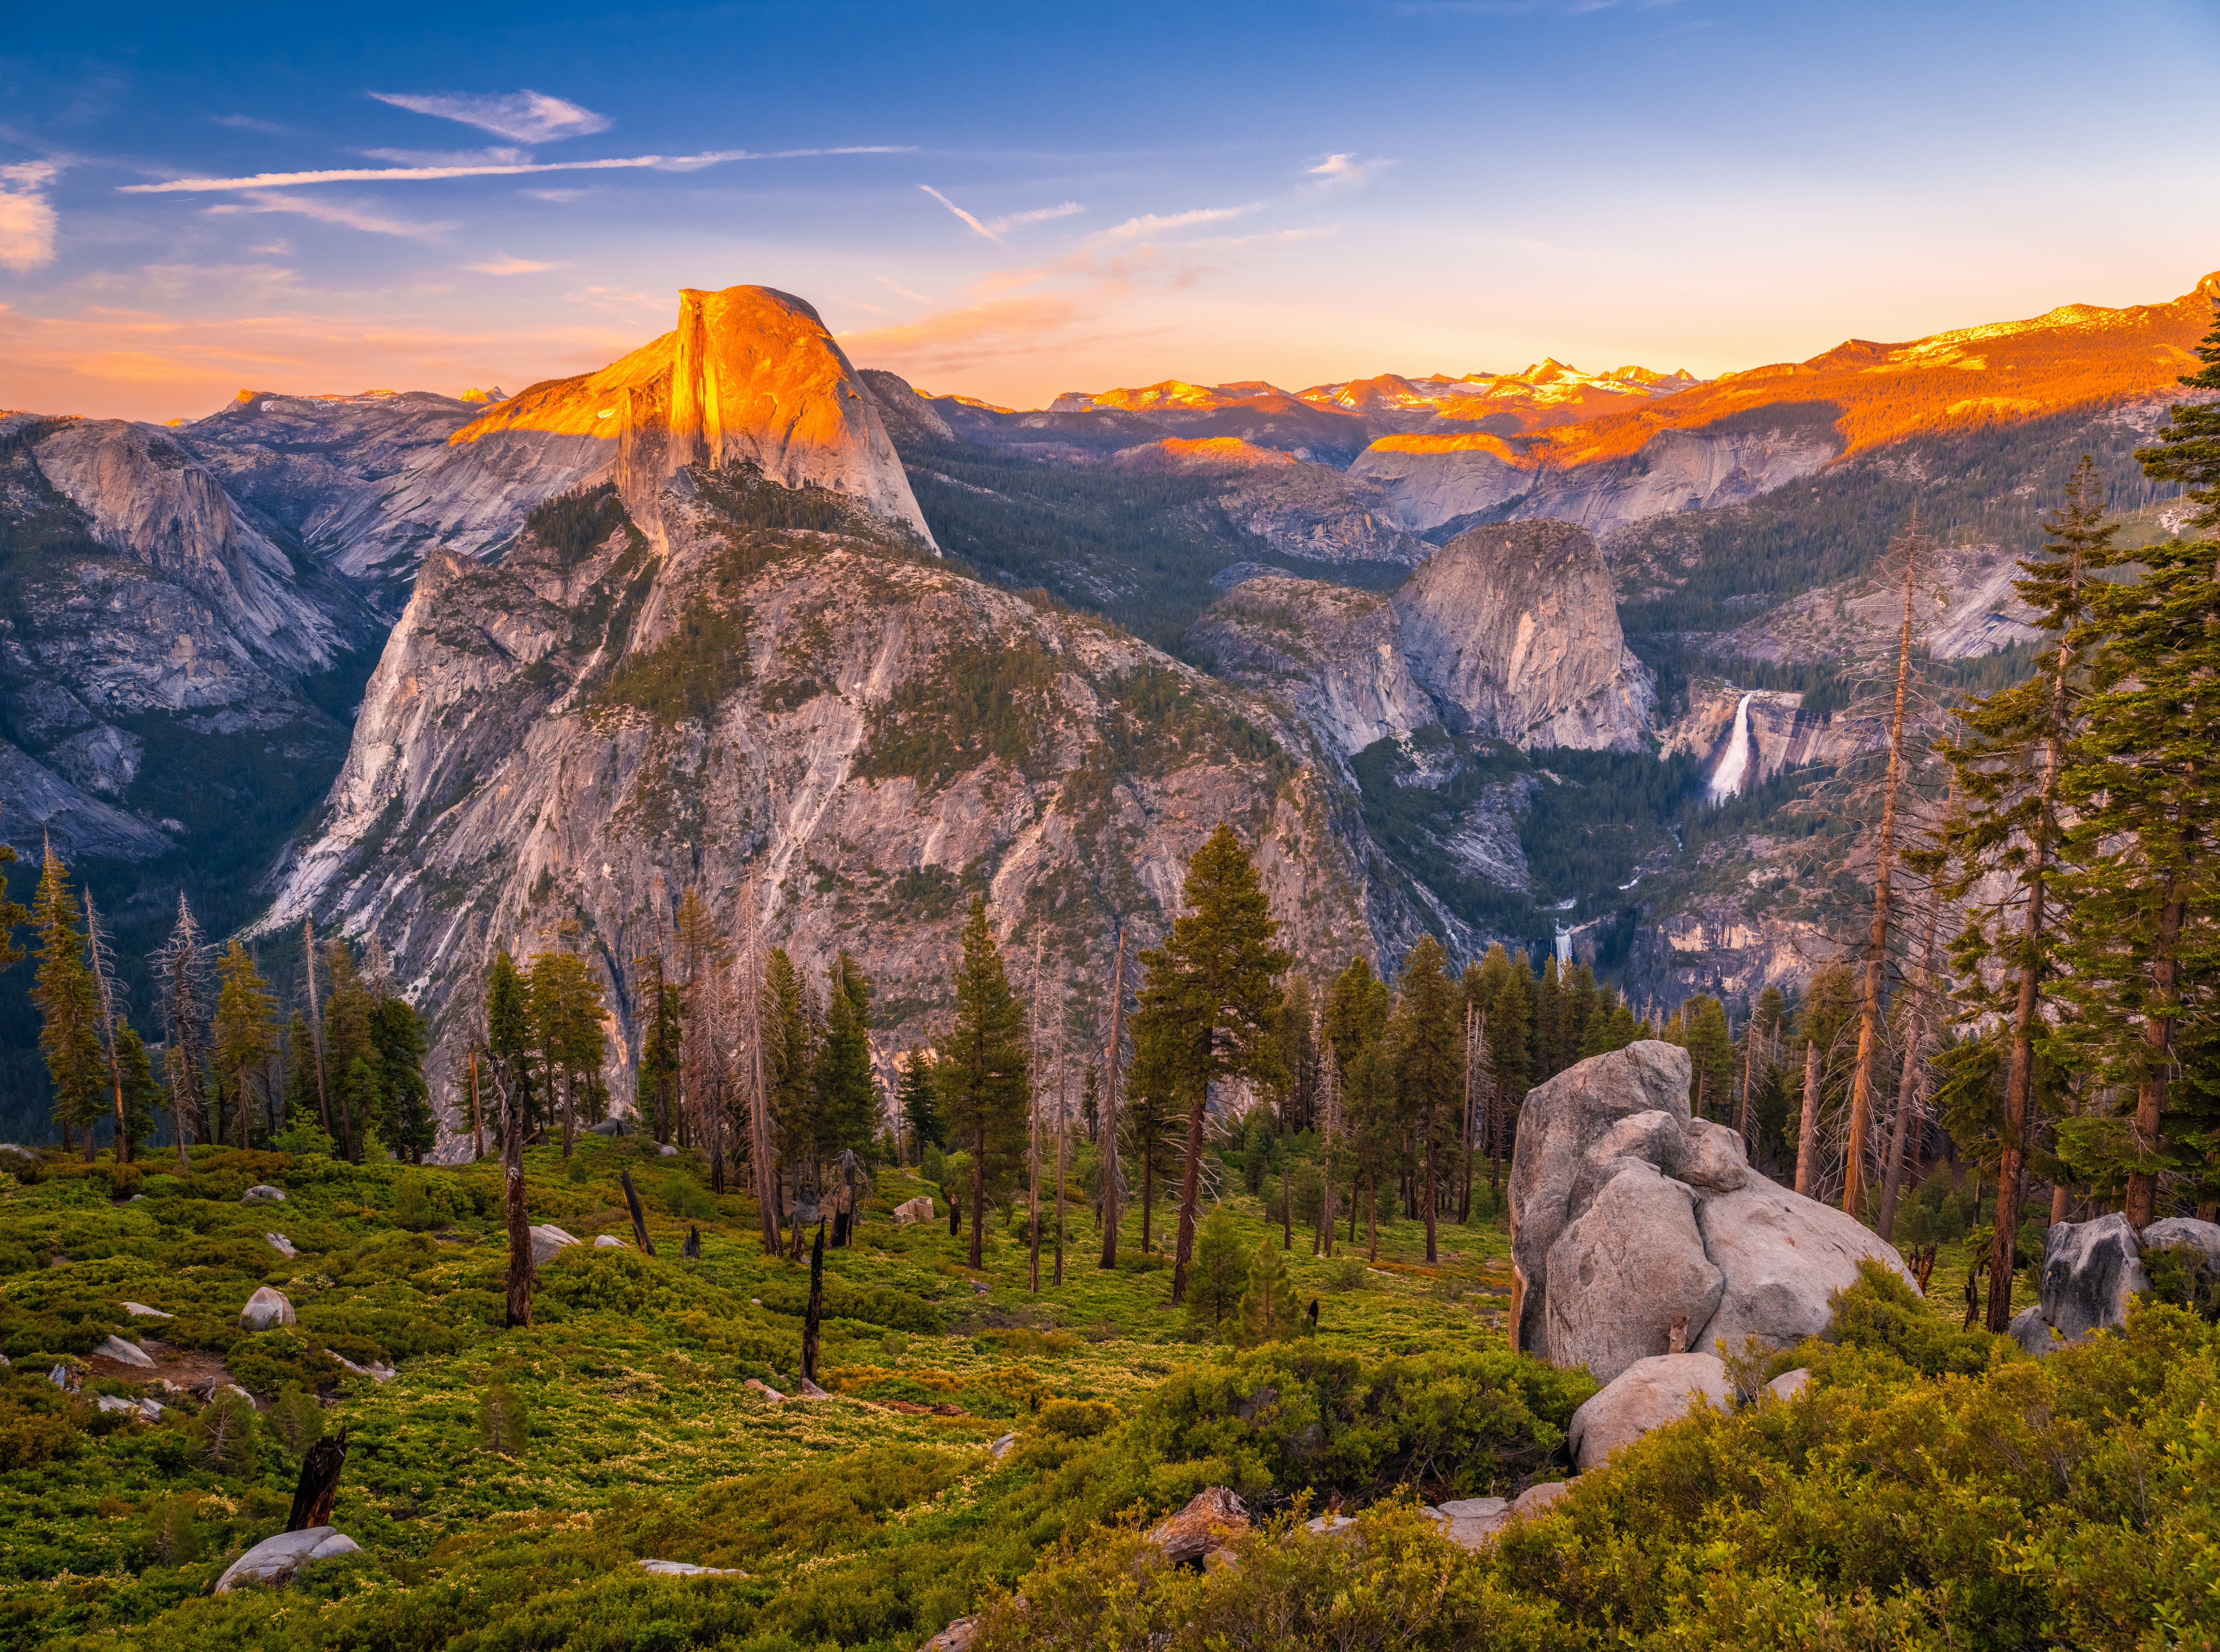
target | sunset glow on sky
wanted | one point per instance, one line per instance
(1010, 202)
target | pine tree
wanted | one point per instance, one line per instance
(984, 1086)
(788, 1044)
(182, 970)
(246, 1031)
(397, 1038)
(1712, 1061)
(1426, 1039)
(660, 1058)
(509, 1046)
(847, 1093)
(2145, 897)
(568, 1028)
(1212, 989)
(921, 1116)
(101, 960)
(1218, 1276)
(1358, 1004)
(1269, 1310)
(13, 914)
(69, 1007)
(141, 1094)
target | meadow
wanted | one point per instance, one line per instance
(505, 1484)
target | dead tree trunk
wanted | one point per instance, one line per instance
(1108, 1127)
(816, 1306)
(520, 1270)
(321, 1466)
(1854, 1169)
(1907, 1088)
(639, 1215)
(317, 1028)
(1807, 1134)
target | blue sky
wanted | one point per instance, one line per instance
(1015, 201)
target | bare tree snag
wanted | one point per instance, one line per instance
(320, 1483)
(639, 1215)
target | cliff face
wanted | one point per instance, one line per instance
(1334, 655)
(1434, 480)
(1782, 735)
(1514, 630)
(149, 609)
(826, 728)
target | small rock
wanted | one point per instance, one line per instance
(1647, 1394)
(767, 1392)
(1328, 1525)
(683, 1569)
(265, 1308)
(125, 1353)
(667, 1151)
(1469, 1522)
(810, 1391)
(65, 1379)
(262, 1193)
(1536, 1499)
(980, 1288)
(1221, 1560)
(956, 1637)
(281, 1244)
(145, 1313)
(1789, 1384)
(607, 1241)
(547, 1242)
(115, 1402)
(151, 1409)
(135, 1199)
(376, 1373)
(1001, 1448)
(919, 1209)
(275, 1560)
(1214, 1514)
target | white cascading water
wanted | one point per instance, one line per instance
(1735, 762)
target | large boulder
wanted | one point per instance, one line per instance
(276, 1560)
(548, 1242)
(125, 1353)
(919, 1209)
(1647, 1394)
(262, 1193)
(2173, 1231)
(1626, 1271)
(1782, 1258)
(265, 1308)
(2091, 1272)
(1630, 1221)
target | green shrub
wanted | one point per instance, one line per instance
(2183, 1275)
(1882, 1314)
(1295, 1415)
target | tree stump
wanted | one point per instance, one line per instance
(320, 1483)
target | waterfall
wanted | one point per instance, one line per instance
(1738, 759)
(1565, 948)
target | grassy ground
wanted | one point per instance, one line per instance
(621, 1425)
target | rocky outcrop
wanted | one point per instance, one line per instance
(1633, 1224)
(1514, 630)
(1212, 1518)
(1335, 653)
(1431, 479)
(1298, 507)
(276, 1561)
(1782, 735)
(2093, 1270)
(1647, 1394)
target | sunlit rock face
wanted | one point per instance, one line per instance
(749, 376)
(1514, 629)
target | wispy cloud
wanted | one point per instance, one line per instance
(246, 124)
(960, 212)
(522, 116)
(1347, 169)
(892, 286)
(506, 266)
(1037, 215)
(418, 174)
(996, 228)
(554, 195)
(453, 157)
(364, 218)
(1150, 223)
(27, 217)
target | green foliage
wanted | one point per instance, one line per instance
(688, 673)
(1298, 1415)
(1270, 1311)
(1882, 1314)
(2183, 1277)
(501, 1427)
(975, 705)
(1214, 1283)
(574, 525)
(225, 1432)
(297, 1419)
